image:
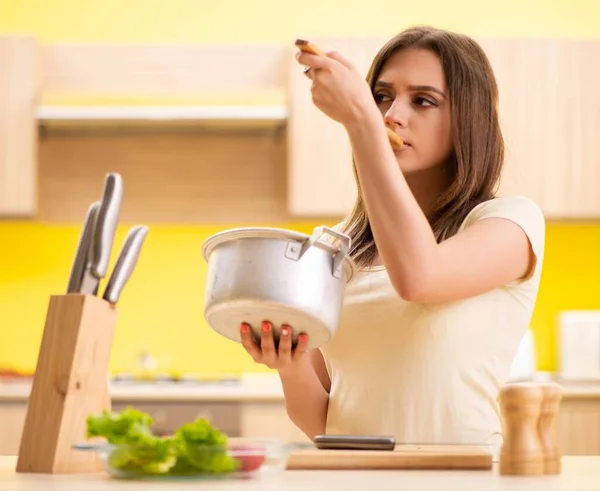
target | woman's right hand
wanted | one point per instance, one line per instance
(282, 358)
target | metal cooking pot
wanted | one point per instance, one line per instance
(277, 275)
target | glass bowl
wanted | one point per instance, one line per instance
(239, 458)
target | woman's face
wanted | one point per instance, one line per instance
(412, 95)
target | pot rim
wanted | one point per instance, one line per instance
(219, 238)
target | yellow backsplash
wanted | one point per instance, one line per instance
(161, 307)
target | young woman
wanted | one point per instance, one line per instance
(449, 273)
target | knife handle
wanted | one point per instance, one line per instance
(126, 263)
(106, 224)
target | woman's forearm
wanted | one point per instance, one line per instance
(405, 240)
(306, 399)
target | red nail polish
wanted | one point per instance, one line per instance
(303, 337)
(244, 328)
(266, 327)
(285, 331)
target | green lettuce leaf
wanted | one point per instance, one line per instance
(195, 447)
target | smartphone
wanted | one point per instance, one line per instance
(355, 442)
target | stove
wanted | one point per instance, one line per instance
(187, 379)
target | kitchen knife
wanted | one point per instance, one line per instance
(82, 255)
(126, 262)
(89, 283)
(106, 224)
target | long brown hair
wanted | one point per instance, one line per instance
(476, 161)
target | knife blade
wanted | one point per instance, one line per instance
(106, 224)
(126, 262)
(82, 255)
(89, 283)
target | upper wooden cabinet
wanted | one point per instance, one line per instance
(550, 112)
(152, 105)
(549, 109)
(320, 174)
(18, 132)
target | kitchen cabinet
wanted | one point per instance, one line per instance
(578, 426)
(270, 420)
(578, 423)
(551, 123)
(320, 174)
(238, 418)
(248, 167)
(193, 176)
(170, 415)
(12, 422)
(549, 116)
(18, 128)
(193, 145)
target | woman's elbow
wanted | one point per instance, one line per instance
(416, 287)
(409, 290)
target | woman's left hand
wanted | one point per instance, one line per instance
(338, 89)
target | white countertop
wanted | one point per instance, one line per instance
(251, 387)
(578, 474)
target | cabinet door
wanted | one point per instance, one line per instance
(550, 119)
(584, 127)
(549, 111)
(269, 420)
(578, 426)
(12, 422)
(170, 415)
(320, 176)
(18, 128)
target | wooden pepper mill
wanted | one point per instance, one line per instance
(547, 427)
(529, 413)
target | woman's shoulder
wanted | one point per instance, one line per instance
(520, 209)
(509, 204)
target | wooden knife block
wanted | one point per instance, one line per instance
(69, 384)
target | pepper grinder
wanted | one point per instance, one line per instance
(522, 451)
(547, 427)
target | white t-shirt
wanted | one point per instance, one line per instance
(430, 374)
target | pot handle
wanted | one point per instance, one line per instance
(343, 249)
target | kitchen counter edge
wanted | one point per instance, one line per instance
(250, 388)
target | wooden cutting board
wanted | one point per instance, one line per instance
(403, 457)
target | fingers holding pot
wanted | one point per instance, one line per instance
(285, 344)
(267, 344)
(263, 349)
(248, 343)
(302, 346)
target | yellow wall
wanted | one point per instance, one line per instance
(282, 20)
(161, 306)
